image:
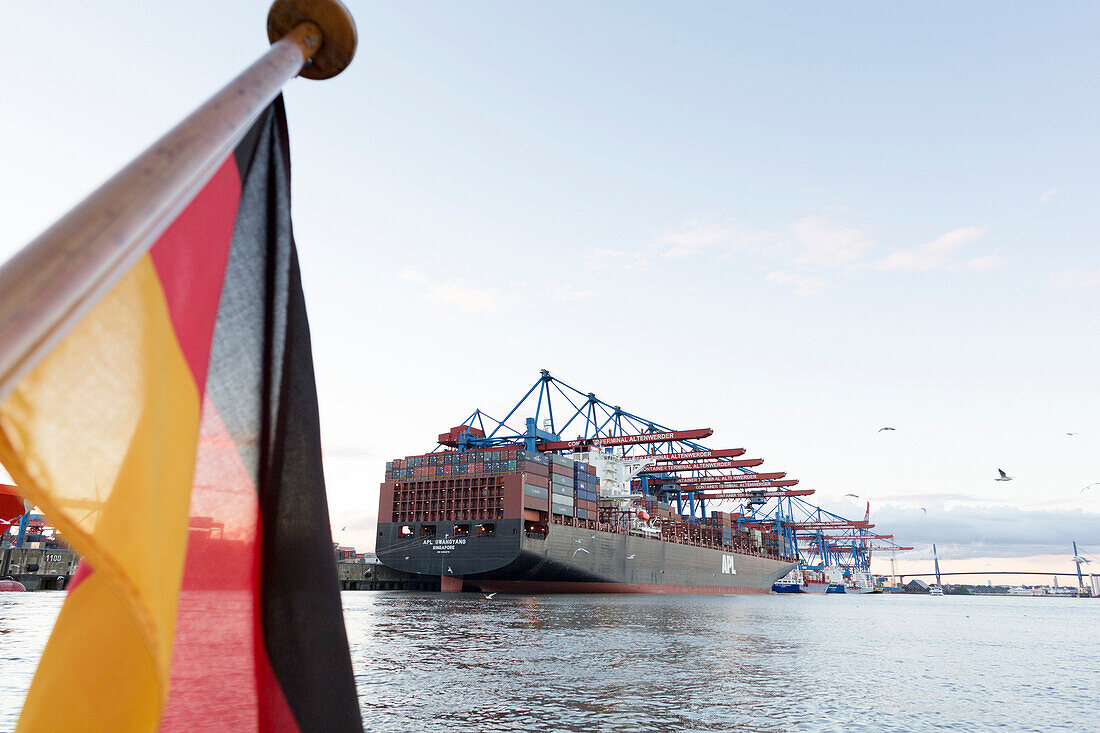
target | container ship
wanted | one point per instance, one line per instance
(522, 511)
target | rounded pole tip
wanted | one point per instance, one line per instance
(339, 36)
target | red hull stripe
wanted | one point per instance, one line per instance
(525, 587)
(201, 234)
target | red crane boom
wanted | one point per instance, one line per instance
(854, 524)
(616, 440)
(741, 482)
(719, 495)
(813, 539)
(872, 548)
(693, 455)
(714, 466)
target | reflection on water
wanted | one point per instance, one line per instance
(429, 662)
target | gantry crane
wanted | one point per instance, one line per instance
(671, 464)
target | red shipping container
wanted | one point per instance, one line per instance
(539, 481)
(513, 496)
(385, 502)
(530, 467)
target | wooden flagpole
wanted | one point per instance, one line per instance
(52, 282)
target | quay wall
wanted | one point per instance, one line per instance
(39, 568)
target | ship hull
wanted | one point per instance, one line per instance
(573, 560)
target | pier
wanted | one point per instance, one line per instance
(36, 568)
(369, 574)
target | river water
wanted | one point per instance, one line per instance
(431, 662)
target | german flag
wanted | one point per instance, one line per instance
(173, 439)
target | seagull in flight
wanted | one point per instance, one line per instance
(1096, 483)
(1003, 477)
(881, 429)
(578, 542)
(1071, 433)
(581, 549)
(489, 596)
(449, 569)
(343, 528)
(924, 510)
(855, 495)
(629, 557)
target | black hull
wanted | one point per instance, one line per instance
(572, 559)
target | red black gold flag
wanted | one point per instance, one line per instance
(173, 439)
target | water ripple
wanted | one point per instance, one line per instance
(427, 662)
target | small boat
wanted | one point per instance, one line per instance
(935, 591)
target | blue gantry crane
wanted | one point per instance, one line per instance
(673, 466)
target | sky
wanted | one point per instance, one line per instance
(793, 224)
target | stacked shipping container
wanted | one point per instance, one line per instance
(501, 483)
(562, 486)
(454, 463)
(343, 554)
(586, 491)
(511, 483)
(536, 485)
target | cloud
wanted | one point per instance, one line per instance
(691, 239)
(991, 531)
(816, 241)
(808, 248)
(611, 259)
(1047, 196)
(815, 249)
(940, 252)
(457, 295)
(566, 293)
(980, 264)
(928, 498)
(811, 252)
(1081, 278)
(804, 285)
(412, 274)
(461, 296)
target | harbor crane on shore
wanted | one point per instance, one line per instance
(670, 464)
